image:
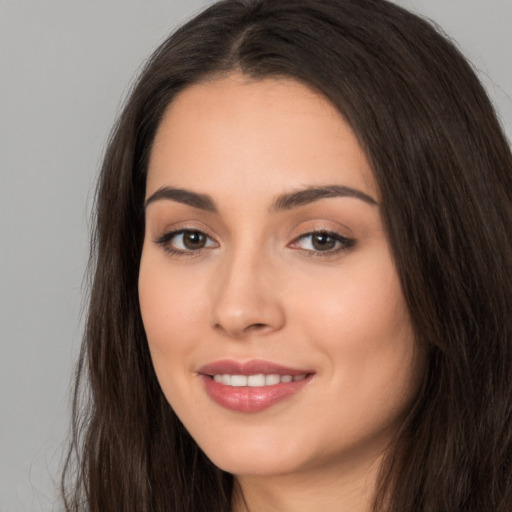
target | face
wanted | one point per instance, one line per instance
(272, 307)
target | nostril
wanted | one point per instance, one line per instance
(235, 332)
(256, 327)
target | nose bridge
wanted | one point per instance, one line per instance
(245, 299)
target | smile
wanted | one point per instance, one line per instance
(257, 380)
(251, 386)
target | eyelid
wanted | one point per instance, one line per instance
(342, 242)
(168, 236)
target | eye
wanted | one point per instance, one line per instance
(185, 241)
(323, 242)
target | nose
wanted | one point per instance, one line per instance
(247, 297)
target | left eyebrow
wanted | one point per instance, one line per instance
(308, 195)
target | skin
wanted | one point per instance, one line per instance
(261, 289)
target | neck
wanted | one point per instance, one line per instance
(330, 489)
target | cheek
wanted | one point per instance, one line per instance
(359, 320)
(363, 297)
(170, 306)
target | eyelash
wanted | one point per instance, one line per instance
(166, 239)
(342, 242)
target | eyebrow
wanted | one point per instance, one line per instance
(180, 195)
(311, 194)
(283, 202)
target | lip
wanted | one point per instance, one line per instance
(249, 368)
(250, 399)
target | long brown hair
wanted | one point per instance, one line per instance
(444, 170)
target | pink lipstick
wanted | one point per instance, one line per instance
(251, 386)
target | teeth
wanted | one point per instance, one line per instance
(256, 380)
(272, 379)
(238, 380)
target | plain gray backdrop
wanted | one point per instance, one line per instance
(65, 66)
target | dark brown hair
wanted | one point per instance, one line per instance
(444, 170)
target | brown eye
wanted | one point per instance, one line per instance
(194, 240)
(185, 241)
(322, 241)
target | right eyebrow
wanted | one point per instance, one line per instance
(200, 201)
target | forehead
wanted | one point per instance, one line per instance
(255, 132)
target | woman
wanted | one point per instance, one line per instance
(302, 272)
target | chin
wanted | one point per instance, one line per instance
(261, 456)
(250, 464)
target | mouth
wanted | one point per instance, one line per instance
(255, 380)
(251, 386)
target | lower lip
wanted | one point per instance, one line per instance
(251, 399)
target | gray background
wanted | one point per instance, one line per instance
(64, 68)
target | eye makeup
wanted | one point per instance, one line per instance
(193, 242)
(322, 243)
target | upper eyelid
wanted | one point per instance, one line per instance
(337, 236)
(165, 241)
(327, 231)
(171, 233)
(309, 232)
(180, 227)
(336, 233)
(168, 235)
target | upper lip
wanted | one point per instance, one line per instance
(252, 367)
